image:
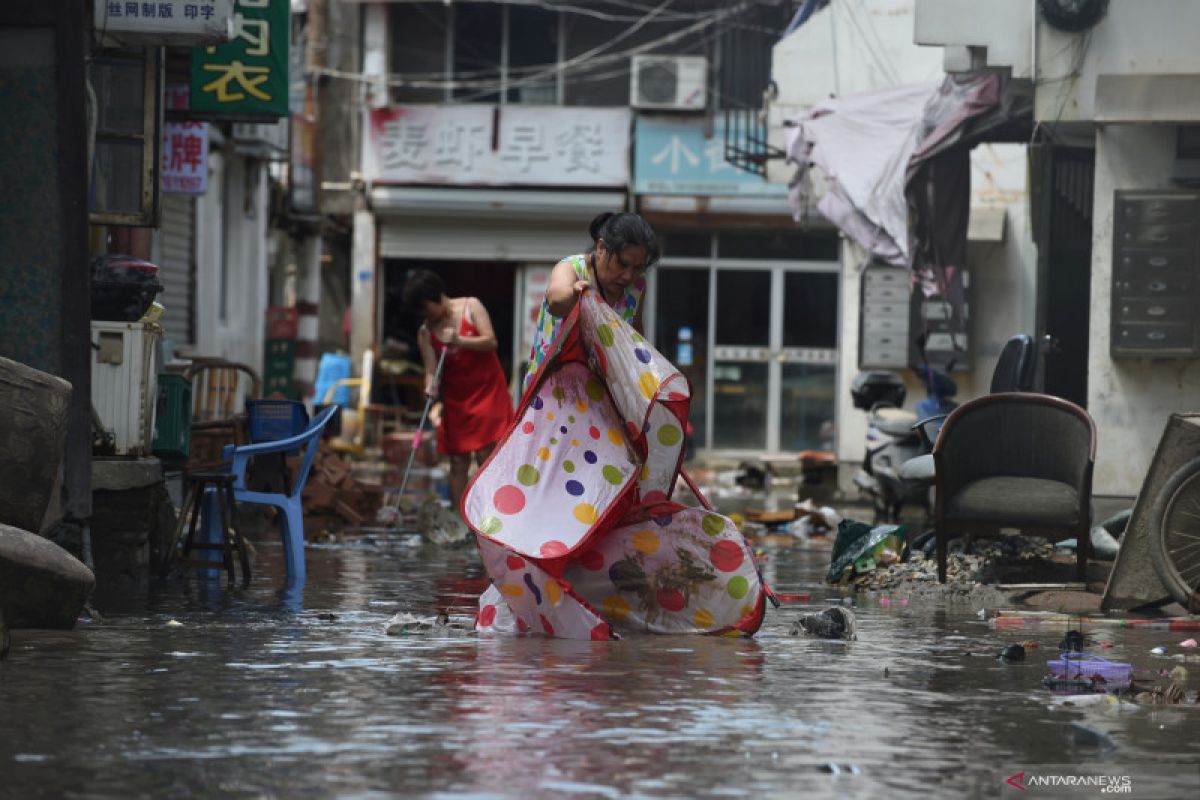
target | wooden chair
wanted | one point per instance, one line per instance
(220, 389)
(1016, 460)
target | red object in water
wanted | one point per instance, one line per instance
(792, 597)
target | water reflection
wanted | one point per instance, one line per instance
(295, 690)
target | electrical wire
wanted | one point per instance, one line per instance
(887, 70)
(671, 16)
(539, 73)
(884, 51)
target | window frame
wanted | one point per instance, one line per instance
(149, 207)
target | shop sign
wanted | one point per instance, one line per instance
(176, 22)
(267, 140)
(248, 77)
(673, 156)
(488, 145)
(185, 157)
(303, 165)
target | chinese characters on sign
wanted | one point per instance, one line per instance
(673, 156)
(246, 78)
(185, 157)
(482, 145)
(180, 22)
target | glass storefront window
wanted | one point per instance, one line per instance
(739, 406)
(681, 333)
(810, 309)
(743, 307)
(806, 407)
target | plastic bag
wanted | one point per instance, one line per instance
(860, 548)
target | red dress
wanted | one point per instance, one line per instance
(476, 406)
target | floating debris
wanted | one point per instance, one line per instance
(405, 624)
(836, 622)
(1014, 652)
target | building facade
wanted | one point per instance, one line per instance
(1116, 103)
(495, 132)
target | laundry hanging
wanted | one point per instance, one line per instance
(573, 512)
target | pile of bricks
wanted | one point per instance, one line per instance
(334, 498)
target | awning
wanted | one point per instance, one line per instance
(896, 167)
(496, 203)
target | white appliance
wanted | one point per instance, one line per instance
(673, 83)
(125, 382)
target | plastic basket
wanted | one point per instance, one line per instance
(271, 420)
(173, 416)
(1071, 666)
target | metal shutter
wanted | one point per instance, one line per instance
(177, 257)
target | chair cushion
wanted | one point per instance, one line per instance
(1016, 501)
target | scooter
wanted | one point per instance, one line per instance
(893, 438)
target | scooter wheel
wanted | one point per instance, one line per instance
(1175, 534)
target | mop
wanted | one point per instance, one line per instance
(389, 513)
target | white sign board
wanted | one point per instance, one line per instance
(498, 145)
(185, 157)
(179, 22)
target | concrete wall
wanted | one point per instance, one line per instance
(1154, 39)
(1130, 400)
(1135, 38)
(998, 30)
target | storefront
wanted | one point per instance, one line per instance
(745, 301)
(490, 199)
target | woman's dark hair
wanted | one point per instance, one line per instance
(624, 230)
(423, 287)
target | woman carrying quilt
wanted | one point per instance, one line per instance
(623, 248)
(477, 408)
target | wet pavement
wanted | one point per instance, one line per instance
(254, 694)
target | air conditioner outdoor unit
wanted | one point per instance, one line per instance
(676, 83)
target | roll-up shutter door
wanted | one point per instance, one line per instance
(177, 267)
(481, 239)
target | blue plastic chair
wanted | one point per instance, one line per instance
(291, 512)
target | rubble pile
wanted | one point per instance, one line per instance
(982, 562)
(333, 496)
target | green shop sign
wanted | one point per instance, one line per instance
(246, 78)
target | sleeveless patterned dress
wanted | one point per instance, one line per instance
(548, 324)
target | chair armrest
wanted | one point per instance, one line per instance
(921, 428)
(240, 455)
(353, 383)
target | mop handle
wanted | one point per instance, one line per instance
(416, 443)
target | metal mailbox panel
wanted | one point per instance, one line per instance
(1155, 263)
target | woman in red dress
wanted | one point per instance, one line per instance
(477, 408)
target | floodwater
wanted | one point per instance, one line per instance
(258, 695)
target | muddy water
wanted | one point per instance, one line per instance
(260, 695)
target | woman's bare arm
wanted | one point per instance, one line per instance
(485, 339)
(564, 289)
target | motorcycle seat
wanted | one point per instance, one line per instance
(918, 469)
(893, 421)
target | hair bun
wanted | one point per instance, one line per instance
(598, 224)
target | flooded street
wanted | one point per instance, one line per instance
(257, 695)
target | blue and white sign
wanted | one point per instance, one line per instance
(672, 156)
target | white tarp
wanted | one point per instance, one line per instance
(861, 144)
